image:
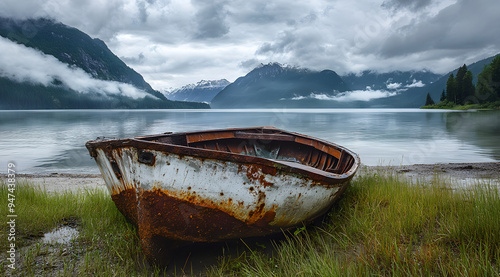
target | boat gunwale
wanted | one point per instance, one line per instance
(143, 143)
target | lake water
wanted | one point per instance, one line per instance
(54, 141)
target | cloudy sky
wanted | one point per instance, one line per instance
(177, 42)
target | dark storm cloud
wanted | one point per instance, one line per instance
(211, 20)
(464, 26)
(140, 59)
(285, 43)
(407, 4)
(292, 39)
(250, 64)
(142, 9)
(265, 12)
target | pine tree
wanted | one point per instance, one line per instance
(468, 88)
(488, 82)
(429, 101)
(495, 76)
(443, 96)
(451, 90)
(460, 85)
(483, 88)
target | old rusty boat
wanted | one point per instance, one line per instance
(215, 185)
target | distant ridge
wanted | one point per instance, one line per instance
(274, 85)
(277, 86)
(203, 91)
(78, 51)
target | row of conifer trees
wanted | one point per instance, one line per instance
(460, 89)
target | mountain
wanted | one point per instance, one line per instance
(274, 85)
(69, 69)
(203, 91)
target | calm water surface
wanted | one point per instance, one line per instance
(54, 141)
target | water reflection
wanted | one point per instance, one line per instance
(481, 128)
(53, 141)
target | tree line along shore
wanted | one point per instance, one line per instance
(461, 93)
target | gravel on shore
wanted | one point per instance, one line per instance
(462, 172)
(60, 182)
(455, 170)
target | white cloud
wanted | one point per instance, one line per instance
(415, 84)
(21, 64)
(393, 85)
(349, 96)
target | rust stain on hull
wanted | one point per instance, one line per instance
(223, 184)
(159, 216)
(124, 201)
(191, 222)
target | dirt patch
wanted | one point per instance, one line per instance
(50, 254)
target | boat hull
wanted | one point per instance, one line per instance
(183, 196)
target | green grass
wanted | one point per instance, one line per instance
(452, 106)
(107, 244)
(383, 225)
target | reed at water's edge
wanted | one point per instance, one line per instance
(383, 225)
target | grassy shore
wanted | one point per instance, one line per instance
(383, 225)
(451, 106)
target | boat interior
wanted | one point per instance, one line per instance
(269, 143)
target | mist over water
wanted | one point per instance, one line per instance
(54, 141)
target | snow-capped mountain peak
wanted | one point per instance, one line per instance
(202, 91)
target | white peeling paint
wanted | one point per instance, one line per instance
(221, 183)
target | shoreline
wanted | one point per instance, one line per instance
(485, 170)
(456, 172)
(60, 182)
